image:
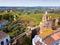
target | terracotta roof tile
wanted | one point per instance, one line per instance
(3, 35)
(46, 33)
(56, 36)
(49, 40)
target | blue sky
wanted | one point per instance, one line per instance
(29, 2)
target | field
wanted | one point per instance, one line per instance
(36, 18)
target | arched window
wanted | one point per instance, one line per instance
(6, 40)
(2, 43)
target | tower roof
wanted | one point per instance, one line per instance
(46, 12)
(46, 17)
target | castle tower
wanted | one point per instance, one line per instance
(46, 22)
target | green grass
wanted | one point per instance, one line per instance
(55, 15)
(10, 34)
(37, 17)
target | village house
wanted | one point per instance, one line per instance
(4, 38)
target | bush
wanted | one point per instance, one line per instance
(54, 28)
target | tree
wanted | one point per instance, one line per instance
(54, 28)
(0, 17)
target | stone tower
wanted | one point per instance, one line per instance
(46, 22)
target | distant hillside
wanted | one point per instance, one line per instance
(37, 7)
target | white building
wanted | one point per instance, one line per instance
(4, 38)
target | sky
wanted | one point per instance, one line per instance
(29, 3)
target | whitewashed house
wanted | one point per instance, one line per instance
(4, 38)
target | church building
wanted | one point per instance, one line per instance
(46, 22)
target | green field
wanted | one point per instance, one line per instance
(36, 18)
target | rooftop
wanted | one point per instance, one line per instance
(2, 21)
(3, 35)
(50, 36)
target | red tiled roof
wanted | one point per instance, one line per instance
(48, 40)
(3, 35)
(56, 36)
(52, 38)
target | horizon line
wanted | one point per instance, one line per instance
(29, 6)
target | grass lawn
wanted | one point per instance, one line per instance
(37, 17)
(10, 34)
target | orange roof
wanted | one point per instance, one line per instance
(45, 33)
(53, 36)
(56, 36)
(49, 40)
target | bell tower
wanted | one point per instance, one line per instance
(46, 22)
(46, 17)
